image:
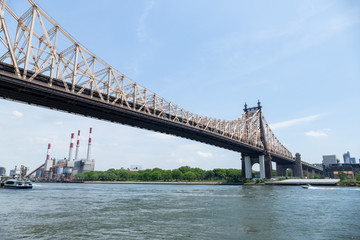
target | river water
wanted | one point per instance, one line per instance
(132, 211)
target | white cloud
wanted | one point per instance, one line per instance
(41, 140)
(189, 146)
(204, 154)
(289, 123)
(59, 123)
(16, 114)
(181, 159)
(161, 136)
(141, 32)
(316, 134)
(186, 161)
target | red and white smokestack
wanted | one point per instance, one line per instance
(89, 146)
(48, 162)
(77, 146)
(71, 146)
(48, 152)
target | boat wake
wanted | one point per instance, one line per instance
(335, 188)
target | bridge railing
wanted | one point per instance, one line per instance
(40, 47)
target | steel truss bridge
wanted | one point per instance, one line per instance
(42, 64)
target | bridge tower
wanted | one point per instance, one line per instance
(264, 157)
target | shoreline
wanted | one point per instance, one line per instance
(161, 183)
(272, 183)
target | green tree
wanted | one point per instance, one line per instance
(200, 174)
(93, 175)
(109, 175)
(233, 175)
(156, 175)
(134, 175)
(80, 176)
(123, 175)
(209, 175)
(145, 175)
(220, 173)
(167, 175)
(177, 174)
(342, 175)
(184, 169)
(358, 176)
(190, 176)
(157, 169)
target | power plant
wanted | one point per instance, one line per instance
(64, 170)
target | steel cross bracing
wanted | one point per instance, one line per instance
(36, 45)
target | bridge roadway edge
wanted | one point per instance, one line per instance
(33, 93)
(42, 94)
(12, 88)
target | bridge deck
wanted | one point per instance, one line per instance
(38, 92)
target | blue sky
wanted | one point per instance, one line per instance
(300, 58)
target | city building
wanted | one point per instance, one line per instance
(348, 159)
(2, 171)
(135, 168)
(329, 159)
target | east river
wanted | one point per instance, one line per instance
(133, 211)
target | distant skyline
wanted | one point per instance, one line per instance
(301, 59)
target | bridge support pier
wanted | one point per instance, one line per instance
(298, 170)
(248, 173)
(281, 170)
(242, 165)
(265, 166)
(268, 168)
(262, 166)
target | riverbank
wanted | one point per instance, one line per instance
(166, 183)
(315, 182)
(349, 183)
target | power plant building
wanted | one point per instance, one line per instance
(65, 169)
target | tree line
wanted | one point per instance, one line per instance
(156, 174)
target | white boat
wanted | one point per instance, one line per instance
(307, 186)
(18, 183)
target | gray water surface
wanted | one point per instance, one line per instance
(132, 211)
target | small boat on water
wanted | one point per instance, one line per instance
(16, 183)
(307, 186)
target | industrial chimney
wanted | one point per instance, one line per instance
(89, 146)
(77, 146)
(71, 146)
(48, 162)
